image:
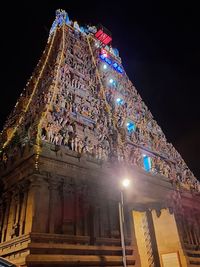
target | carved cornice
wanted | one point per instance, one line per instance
(14, 241)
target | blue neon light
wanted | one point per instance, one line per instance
(109, 61)
(147, 163)
(103, 56)
(130, 127)
(119, 69)
(115, 65)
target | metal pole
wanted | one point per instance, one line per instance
(121, 221)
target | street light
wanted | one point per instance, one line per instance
(125, 184)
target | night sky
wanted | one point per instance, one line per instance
(159, 47)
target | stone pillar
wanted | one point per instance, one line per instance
(85, 215)
(141, 230)
(16, 211)
(109, 215)
(80, 206)
(114, 219)
(23, 208)
(195, 227)
(95, 219)
(185, 230)
(133, 238)
(7, 198)
(128, 221)
(12, 214)
(91, 226)
(2, 214)
(68, 208)
(55, 207)
(188, 232)
(197, 217)
(153, 236)
(190, 227)
(104, 223)
(37, 205)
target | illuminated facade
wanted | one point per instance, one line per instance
(78, 128)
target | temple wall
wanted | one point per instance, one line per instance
(167, 237)
(138, 218)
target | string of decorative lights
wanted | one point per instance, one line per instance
(102, 91)
(97, 71)
(98, 74)
(31, 96)
(38, 137)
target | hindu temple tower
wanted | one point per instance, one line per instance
(79, 128)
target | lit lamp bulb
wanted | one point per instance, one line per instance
(103, 51)
(119, 101)
(126, 183)
(111, 81)
(105, 67)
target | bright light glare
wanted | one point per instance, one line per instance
(104, 66)
(126, 183)
(111, 81)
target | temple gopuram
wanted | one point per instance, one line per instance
(77, 130)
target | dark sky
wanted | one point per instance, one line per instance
(159, 46)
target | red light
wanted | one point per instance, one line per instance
(104, 52)
(107, 40)
(103, 37)
(98, 33)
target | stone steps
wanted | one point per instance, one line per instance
(77, 260)
(70, 249)
(51, 252)
(194, 257)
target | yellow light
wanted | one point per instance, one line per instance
(38, 137)
(30, 99)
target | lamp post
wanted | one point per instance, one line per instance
(125, 184)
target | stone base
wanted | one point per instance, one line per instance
(62, 250)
